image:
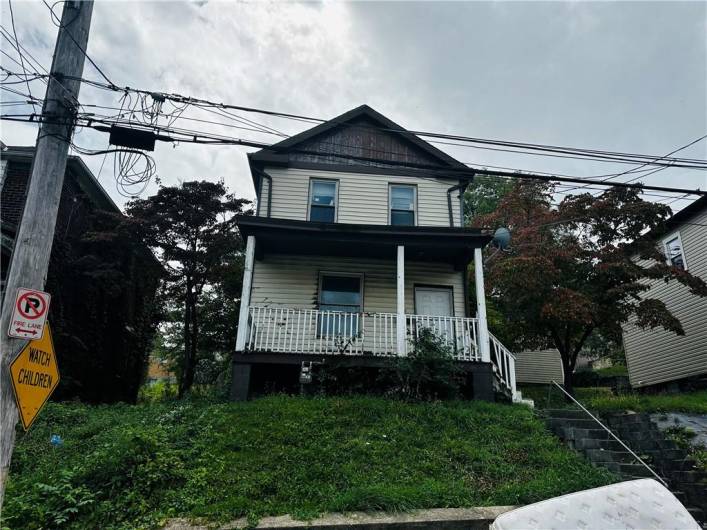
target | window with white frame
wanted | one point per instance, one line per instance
(402, 204)
(674, 252)
(341, 293)
(322, 205)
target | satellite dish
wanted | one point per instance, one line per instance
(502, 237)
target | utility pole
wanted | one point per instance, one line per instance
(33, 245)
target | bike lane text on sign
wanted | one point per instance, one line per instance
(29, 314)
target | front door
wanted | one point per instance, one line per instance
(435, 303)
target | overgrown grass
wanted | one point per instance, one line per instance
(550, 397)
(684, 438)
(601, 399)
(692, 402)
(126, 466)
(612, 371)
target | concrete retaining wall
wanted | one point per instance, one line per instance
(436, 519)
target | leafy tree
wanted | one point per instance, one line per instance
(582, 266)
(483, 195)
(192, 227)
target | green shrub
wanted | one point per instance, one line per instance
(57, 503)
(157, 391)
(429, 371)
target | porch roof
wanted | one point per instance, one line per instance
(422, 243)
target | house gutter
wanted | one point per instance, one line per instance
(263, 175)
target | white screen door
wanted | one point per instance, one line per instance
(435, 302)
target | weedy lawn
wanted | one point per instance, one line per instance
(601, 399)
(124, 466)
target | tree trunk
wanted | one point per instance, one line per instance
(187, 377)
(568, 372)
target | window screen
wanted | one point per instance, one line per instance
(323, 205)
(402, 205)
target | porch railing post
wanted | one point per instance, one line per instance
(401, 324)
(483, 335)
(242, 335)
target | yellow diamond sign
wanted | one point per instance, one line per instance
(35, 375)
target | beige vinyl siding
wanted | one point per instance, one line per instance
(542, 366)
(656, 356)
(293, 281)
(362, 198)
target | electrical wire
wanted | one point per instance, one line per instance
(558, 151)
(191, 136)
(57, 22)
(17, 45)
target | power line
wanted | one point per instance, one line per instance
(190, 136)
(569, 152)
(57, 22)
(690, 144)
(17, 43)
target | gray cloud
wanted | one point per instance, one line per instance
(622, 76)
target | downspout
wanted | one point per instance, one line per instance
(264, 175)
(462, 187)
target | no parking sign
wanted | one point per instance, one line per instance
(29, 314)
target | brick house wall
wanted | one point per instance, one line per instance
(102, 312)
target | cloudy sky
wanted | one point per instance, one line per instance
(626, 77)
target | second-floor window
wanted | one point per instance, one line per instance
(402, 205)
(674, 253)
(322, 206)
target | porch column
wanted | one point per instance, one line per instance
(242, 336)
(401, 325)
(483, 335)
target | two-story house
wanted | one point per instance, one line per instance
(357, 244)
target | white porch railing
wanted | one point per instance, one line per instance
(285, 330)
(504, 365)
(278, 329)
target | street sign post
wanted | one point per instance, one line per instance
(29, 314)
(35, 375)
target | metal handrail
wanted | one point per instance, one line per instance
(612, 434)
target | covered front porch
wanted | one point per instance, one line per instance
(372, 294)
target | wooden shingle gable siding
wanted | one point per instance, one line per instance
(362, 198)
(361, 142)
(357, 133)
(657, 356)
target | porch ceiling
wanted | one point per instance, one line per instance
(422, 243)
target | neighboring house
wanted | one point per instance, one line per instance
(541, 367)
(658, 356)
(102, 284)
(352, 252)
(158, 371)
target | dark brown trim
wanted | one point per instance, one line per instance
(248, 221)
(341, 360)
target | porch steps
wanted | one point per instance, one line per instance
(637, 431)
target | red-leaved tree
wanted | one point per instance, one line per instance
(579, 266)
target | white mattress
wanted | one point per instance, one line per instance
(643, 504)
